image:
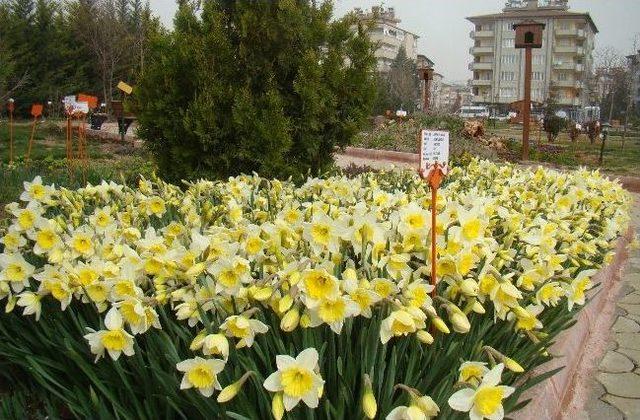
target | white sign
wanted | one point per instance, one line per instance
(81, 107)
(434, 148)
(69, 100)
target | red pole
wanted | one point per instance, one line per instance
(435, 178)
(526, 105)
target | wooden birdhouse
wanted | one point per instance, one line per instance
(529, 34)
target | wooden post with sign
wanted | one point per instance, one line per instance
(36, 112)
(528, 36)
(434, 157)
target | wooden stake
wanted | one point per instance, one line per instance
(31, 138)
(434, 179)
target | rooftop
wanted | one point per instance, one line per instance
(519, 9)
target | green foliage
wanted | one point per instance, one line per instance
(553, 125)
(51, 356)
(399, 87)
(244, 86)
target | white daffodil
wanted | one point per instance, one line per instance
(201, 374)
(16, 271)
(297, 379)
(421, 408)
(115, 340)
(485, 401)
(402, 322)
(243, 328)
(31, 303)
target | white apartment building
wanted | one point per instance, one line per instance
(388, 35)
(561, 67)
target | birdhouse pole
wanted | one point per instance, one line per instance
(528, 36)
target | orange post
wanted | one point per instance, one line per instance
(434, 179)
(33, 133)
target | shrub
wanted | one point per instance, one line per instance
(553, 125)
(226, 282)
(271, 87)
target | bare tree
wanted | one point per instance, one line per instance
(610, 74)
(99, 27)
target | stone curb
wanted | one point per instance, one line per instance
(548, 399)
(629, 183)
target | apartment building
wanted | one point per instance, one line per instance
(389, 36)
(634, 68)
(560, 68)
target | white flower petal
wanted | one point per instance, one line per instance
(492, 378)
(308, 358)
(274, 382)
(462, 400)
(284, 361)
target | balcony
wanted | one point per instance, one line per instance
(481, 82)
(570, 33)
(480, 66)
(568, 66)
(481, 34)
(481, 50)
(574, 84)
(569, 49)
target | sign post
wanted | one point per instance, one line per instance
(528, 36)
(36, 112)
(434, 157)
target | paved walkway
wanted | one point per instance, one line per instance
(615, 389)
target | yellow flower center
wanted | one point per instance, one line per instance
(26, 219)
(82, 244)
(201, 376)
(228, 278)
(488, 399)
(240, 328)
(15, 272)
(37, 191)
(45, 239)
(320, 233)
(297, 381)
(319, 285)
(103, 219)
(416, 221)
(332, 311)
(114, 340)
(471, 229)
(471, 372)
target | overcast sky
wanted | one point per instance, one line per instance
(444, 31)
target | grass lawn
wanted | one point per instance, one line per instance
(618, 159)
(107, 160)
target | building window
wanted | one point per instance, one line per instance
(507, 92)
(509, 59)
(537, 94)
(562, 76)
(508, 42)
(538, 59)
(507, 26)
(538, 75)
(507, 76)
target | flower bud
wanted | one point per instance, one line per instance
(424, 337)
(277, 406)
(230, 391)
(469, 287)
(440, 325)
(512, 365)
(460, 322)
(369, 404)
(290, 320)
(305, 320)
(478, 308)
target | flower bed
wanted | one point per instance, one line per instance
(255, 298)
